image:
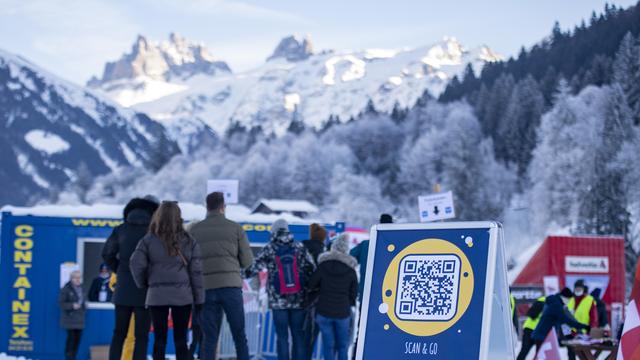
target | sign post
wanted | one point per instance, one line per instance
(228, 187)
(436, 207)
(438, 290)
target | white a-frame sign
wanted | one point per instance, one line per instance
(438, 290)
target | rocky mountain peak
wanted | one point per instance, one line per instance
(293, 48)
(176, 58)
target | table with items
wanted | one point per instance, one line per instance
(587, 348)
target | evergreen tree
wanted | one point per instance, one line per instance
(626, 72)
(296, 126)
(517, 129)
(494, 107)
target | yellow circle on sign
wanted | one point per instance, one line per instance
(391, 247)
(427, 249)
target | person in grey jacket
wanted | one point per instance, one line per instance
(72, 305)
(166, 262)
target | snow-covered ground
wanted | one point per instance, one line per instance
(190, 212)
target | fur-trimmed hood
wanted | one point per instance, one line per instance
(145, 205)
(346, 259)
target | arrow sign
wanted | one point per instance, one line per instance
(436, 207)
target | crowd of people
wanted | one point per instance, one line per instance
(163, 269)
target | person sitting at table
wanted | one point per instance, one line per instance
(554, 314)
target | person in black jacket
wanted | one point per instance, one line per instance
(554, 314)
(603, 318)
(72, 305)
(127, 297)
(167, 262)
(337, 284)
(315, 246)
(100, 290)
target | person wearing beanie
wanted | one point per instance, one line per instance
(337, 284)
(127, 297)
(289, 266)
(555, 314)
(315, 244)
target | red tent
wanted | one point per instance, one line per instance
(599, 260)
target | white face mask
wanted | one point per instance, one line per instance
(578, 292)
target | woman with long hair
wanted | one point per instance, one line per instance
(167, 263)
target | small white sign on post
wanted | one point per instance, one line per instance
(228, 187)
(436, 207)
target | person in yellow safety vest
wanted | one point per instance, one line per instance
(129, 341)
(584, 308)
(533, 317)
(514, 317)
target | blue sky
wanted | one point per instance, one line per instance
(74, 38)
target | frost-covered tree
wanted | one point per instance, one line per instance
(354, 198)
(311, 166)
(604, 208)
(457, 157)
(575, 180)
(375, 140)
(556, 168)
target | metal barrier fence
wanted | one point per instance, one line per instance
(261, 336)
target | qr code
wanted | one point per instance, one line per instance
(428, 287)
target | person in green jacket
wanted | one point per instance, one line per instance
(225, 253)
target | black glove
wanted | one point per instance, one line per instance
(198, 308)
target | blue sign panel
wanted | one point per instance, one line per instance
(427, 291)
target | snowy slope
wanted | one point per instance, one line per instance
(55, 132)
(296, 84)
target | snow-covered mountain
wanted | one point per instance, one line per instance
(55, 133)
(296, 84)
(152, 70)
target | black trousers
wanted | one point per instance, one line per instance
(160, 318)
(196, 333)
(72, 344)
(527, 344)
(141, 332)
